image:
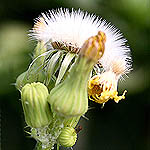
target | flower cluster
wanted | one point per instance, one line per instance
(79, 57)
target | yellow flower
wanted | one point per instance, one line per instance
(103, 87)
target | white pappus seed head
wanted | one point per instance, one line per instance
(73, 28)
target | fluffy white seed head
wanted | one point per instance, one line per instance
(117, 54)
(67, 27)
(75, 27)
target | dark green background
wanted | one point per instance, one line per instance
(122, 126)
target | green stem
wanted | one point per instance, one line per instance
(58, 146)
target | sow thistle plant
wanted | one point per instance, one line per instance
(78, 57)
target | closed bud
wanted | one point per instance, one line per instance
(68, 137)
(69, 99)
(94, 47)
(34, 101)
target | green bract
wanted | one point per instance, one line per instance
(69, 98)
(29, 77)
(68, 137)
(34, 101)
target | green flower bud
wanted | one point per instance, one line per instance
(69, 98)
(67, 137)
(93, 48)
(34, 101)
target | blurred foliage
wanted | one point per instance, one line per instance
(123, 126)
(13, 54)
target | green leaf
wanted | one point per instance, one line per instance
(64, 66)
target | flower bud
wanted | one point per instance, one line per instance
(67, 137)
(34, 101)
(70, 98)
(94, 47)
